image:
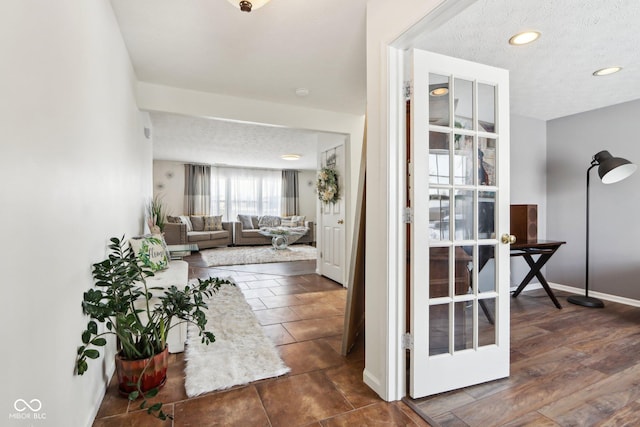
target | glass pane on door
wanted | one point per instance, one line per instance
(438, 100)
(463, 103)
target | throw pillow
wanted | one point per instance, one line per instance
(268, 221)
(213, 223)
(255, 222)
(299, 220)
(173, 219)
(197, 222)
(185, 220)
(247, 224)
(288, 223)
(151, 251)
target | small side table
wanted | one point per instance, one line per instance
(545, 249)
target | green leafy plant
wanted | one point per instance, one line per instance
(121, 301)
(156, 214)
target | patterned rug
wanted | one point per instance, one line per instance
(241, 352)
(257, 255)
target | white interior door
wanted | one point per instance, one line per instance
(460, 197)
(332, 239)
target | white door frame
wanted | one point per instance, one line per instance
(395, 386)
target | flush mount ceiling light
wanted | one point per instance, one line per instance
(607, 71)
(524, 38)
(302, 92)
(440, 91)
(290, 156)
(248, 6)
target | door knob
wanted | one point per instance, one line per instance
(508, 239)
(341, 221)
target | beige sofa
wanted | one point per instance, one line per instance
(243, 236)
(177, 234)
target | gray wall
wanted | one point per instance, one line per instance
(614, 257)
(528, 177)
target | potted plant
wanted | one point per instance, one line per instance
(156, 215)
(122, 303)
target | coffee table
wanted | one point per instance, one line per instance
(180, 251)
(281, 237)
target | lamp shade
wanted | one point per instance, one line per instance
(613, 169)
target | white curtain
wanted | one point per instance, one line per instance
(245, 191)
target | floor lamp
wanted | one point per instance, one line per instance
(610, 169)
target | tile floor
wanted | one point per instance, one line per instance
(303, 313)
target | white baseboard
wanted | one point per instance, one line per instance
(373, 382)
(600, 295)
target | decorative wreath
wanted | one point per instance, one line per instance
(327, 185)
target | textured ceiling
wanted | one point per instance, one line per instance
(201, 140)
(210, 46)
(551, 77)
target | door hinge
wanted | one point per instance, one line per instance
(408, 89)
(407, 215)
(407, 342)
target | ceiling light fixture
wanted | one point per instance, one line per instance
(524, 38)
(290, 156)
(248, 6)
(607, 71)
(440, 91)
(302, 92)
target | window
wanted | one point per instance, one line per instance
(245, 191)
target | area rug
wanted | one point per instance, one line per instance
(257, 255)
(241, 352)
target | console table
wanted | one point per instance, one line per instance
(545, 250)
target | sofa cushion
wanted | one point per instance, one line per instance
(197, 223)
(198, 236)
(201, 236)
(213, 223)
(185, 220)
(247, 223)
(151, 251)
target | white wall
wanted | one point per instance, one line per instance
(308, 195)
(168, 185)
(614, 258)
(528, 178)
(75, 169)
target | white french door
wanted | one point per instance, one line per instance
(460, 199)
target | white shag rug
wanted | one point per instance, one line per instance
(257, 255)
(241, 352)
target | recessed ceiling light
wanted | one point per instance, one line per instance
(302, 91)
(524, 38)
(290, 156)
(607, 71)
(440, 91)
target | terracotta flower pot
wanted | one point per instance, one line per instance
(154, 375)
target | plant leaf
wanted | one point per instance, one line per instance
(92, 354)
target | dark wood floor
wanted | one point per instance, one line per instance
(303, 313)
(571, 367)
